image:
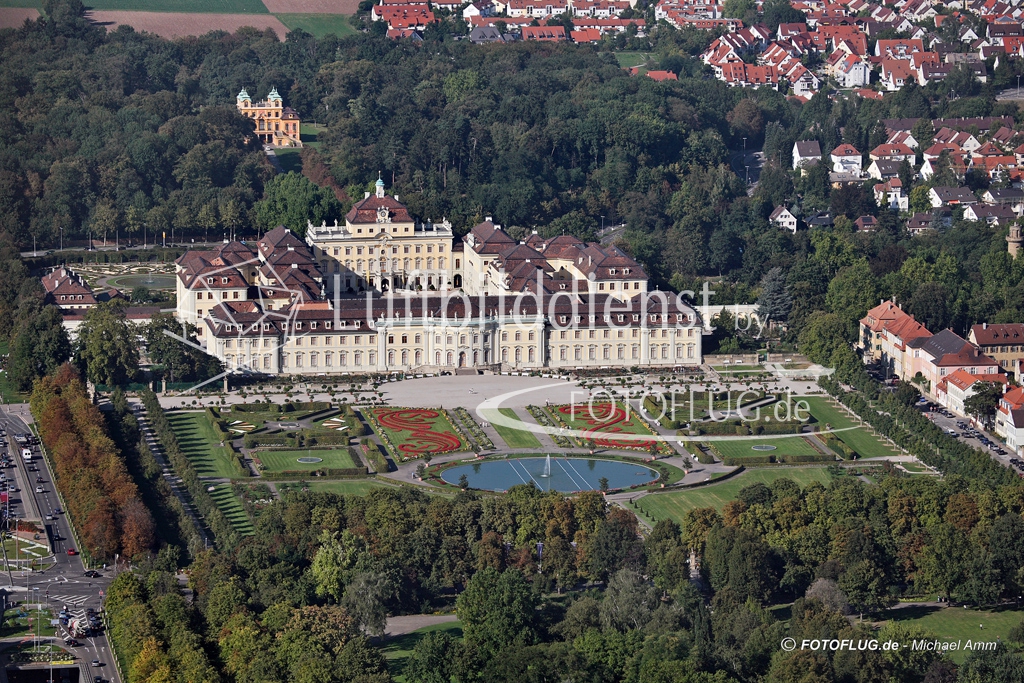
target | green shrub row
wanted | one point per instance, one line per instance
(833, 442)
(224, 533)
(226, 437)
(776, 460)
(326, 473)
(287, 407)
(544, 420)
(475, 429)
(374, 456)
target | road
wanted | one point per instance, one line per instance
(948, 423)
(747, 165)
(65, 583)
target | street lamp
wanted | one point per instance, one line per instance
(602, 225)
(748, 175)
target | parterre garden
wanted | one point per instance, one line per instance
(515, 438)
(601, 423)
(415, 432)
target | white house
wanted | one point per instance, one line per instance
(783, 218)
(846, 159)
(853, 72)
(890, 194)
(806, 153)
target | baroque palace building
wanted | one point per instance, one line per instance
(274, 123)
(385, 293)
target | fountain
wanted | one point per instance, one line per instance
(547, 467)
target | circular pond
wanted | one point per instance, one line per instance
(555, 474)
(143, 280)
(309, 461)
(763, 447)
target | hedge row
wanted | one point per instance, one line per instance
(833, 442)
(919, 436)
(776, 460)
(174, 522)
(224, 533)
(326, 473)
(374, 456)
(287, 407)
(226, 437)
(475, 429)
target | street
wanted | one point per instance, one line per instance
(948, 423)
(65, 583)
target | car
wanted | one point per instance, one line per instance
(72, 551)
(97, 662)
(49, 518)
(39, 489)
(97, 679)
(57, 511)
(93, 574)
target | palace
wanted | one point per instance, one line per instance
(385, 293)
(275, 124)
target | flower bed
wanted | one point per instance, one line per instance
(601, 421)
(474, 429)
(543, 419)
(415, 432)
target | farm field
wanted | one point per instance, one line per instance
(312, 6)
(232, 508)
(676, 504)
(787, 445)
(200, 445)
(953, 623)
(417, 431)
(183, 6)
(358, 487)
(515, 438)
(185, 23)
(319, 25)
(860, 439)
(280, 461)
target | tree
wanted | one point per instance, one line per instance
(775, 303)
(928, 305)
(906, 393)
(919, 199)
(629, 601)
(433, 659)
(293, 201)
(182, 360)
(780, 12)
(40, 347)
(107, 346)
(851, 293)
(366, 597)
(983, 402)
(822, 336)
(497, 611)
(865, 585)
(828, 593)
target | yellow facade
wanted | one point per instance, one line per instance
(275, 124)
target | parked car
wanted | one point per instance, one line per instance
(72, 551)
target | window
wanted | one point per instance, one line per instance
(562, 352)
(228, 343)
(329, 359)
(372, 358)
(358, 358)
(391, 357)
(530, 336)
(298, 360)
(419, 357)
(462, 340)
(592, 353)
(504, 336)
(636, 351)
(266, 361)
(313, 359)
(519, 336)
(578, 353)
(519, 355)
(607, 353)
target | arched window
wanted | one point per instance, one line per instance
(532, 354)
(437, 358)
(328, 359)
(286, 360)
(405, 357)
(391, 357)
(419, 357)
(298, 360)
(476, 358)
(451, 359)
(343, 359)
(519, 354)
(358, 357)
(504, 355)
(266, 361)
(313, 360)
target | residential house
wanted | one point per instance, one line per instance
(538, 9)
(1010, 196)
(1003, 342)
(939, 355)
(927, 221)
(998, 214)
(902, 137)
(869, 341)
(852, 72)
(898, 49)
(806, 153)
(955, 389)
(549, 34)
(961, 139)
(866, 224)
(884, 170)
(783, 218)
(846, 159)
(892, 152)
(482, 8)
(1010, 419)
(896, 73)
(890, 194)
(951, 196)
(588, 35)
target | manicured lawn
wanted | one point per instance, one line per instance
(957, 623)
(7, 390)
(201, 445)
(279, 461)
(359, 487)
(319, 24)
(859, 439)
(787, 445)
(289, 159)
(676, 504)
(232, 508)
(515, 438)
(630, 59)
(397, 650)
(417, 431)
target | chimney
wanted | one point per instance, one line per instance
(295, 265)
(366, 195)
(984, 326)
(488, 219)
(396, 197)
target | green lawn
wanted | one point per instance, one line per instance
(631, 59)
(677, 503)
(358, 487)
(860, 439)
(786, 445)
(232, 508)
(397, 650)
(201, 445)
(957, 623)
(515, 438)
(279, 461)
(289, 158)
(319, 24)
(7, 390)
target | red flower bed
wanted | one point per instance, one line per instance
(419, 424)
(606, 418)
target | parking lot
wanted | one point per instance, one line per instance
(963, 430)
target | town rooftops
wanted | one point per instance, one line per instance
(987, 334)
(488, 238)
(368, 210)
(808, 148)
(845, 150)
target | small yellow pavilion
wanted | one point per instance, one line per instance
(276, 124)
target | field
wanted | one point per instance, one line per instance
(14, 17)
(631, 59)
(515, 438)
(279, 461)
(603, 420)
(183, 6)
(417, 431)
(334, 7)
(358, 487)
(185, 22)
(676, 504)
(232, 508)
(199, 443)
(398, 649)
(789, 445)
(860, 440)
(952, 623)
(318, 24)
